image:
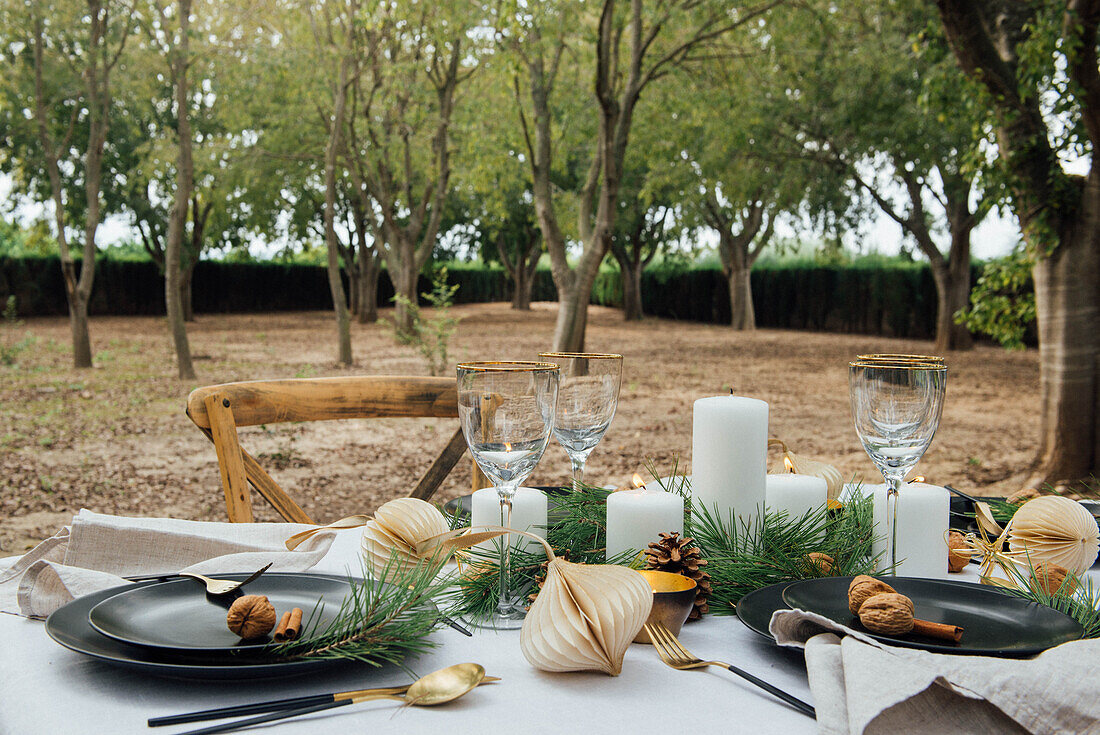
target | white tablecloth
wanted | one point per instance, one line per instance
(45, 688)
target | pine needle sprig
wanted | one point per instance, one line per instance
(1083, 605)
(743, 557)
(378, 623)
(579, 534)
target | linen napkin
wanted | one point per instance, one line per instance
(862, 686)
(96, 551)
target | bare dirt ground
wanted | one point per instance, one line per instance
(115, 439)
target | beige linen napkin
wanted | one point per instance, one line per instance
(97, 550)
(862, 686)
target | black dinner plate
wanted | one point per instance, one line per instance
(178, 615)
(755, 609)
(994, 623)
(69, 626)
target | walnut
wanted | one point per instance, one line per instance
(1052, 579)
(819, 563)
(888, 613)
(958, 552)
(251, 616)
(863, 587)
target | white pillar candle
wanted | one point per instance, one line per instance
(729, 456)
(528, 514)
(796, 494)
(924, 515)
(636, 518)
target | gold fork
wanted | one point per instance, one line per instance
(219, 587)
(673, 653)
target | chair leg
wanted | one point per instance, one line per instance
(223, 430)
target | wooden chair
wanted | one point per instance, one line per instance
(219, 409)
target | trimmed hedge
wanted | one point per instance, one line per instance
(126, 287)
(897, 300)
(893, 299)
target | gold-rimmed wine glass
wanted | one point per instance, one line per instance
(896, 406)
(588, 394)
(507, 413)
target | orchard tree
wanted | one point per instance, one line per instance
(622, 50)
(1037, 66)
(875, 96)
(60, 58)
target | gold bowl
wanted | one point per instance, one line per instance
(673, 597)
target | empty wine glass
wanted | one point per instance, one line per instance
(896, 406)
(507, 413)
(588, 395)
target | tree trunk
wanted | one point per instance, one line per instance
(336, 285)
(78, 323)
(521, 288)
(742, 313)
(958, 289)
(368, 288)
(353, 287)
(178, 215)
(572, 319)
(404, 276)
(632, 284)
(1067, 296)
(187, 276)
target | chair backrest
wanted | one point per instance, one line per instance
(219, 409)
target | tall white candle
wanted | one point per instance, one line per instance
(924, 515)
(528, 514)
(729, 455)
(636, 518)
(796, 494)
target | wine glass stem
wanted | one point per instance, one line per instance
(504, 604)
(892, 495)
(578, 472)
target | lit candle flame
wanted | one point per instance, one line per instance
(918, 478)
(788, 464)
(507, 447)
(637, 480)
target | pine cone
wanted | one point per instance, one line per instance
(540, 578)
(681, 556)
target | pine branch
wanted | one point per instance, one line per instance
(378, 623)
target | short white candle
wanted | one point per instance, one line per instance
(729, 456)
(528, 514)
(636, 518)
(924, 515)
(796, 494)
(924, 512)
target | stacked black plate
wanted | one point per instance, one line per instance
(994, 623)
(172, 628)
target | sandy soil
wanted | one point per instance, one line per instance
(115, 439)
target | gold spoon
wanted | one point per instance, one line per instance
(434, 688)
(437, 687)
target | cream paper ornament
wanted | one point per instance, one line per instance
(1054, 530)
(585, 617)
(397, 532)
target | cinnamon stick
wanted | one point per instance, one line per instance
(294, 627)
(937, 630)
(280, 630)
